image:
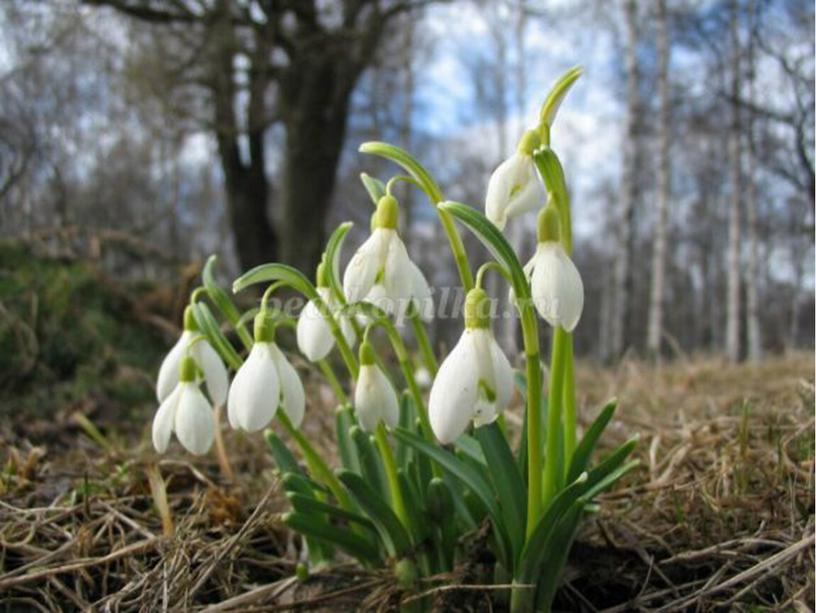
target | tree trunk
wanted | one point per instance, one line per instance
(245, 183)
(732, 319)
(314, 104)
(655, 331)
(626, 210)
(752, 272)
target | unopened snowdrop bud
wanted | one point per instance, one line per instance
(374, 397)
(381, 266)
(265, 382)
(475, 382)
(314, 336)
(207, 359)
(514, 187)
(186, 412)
(558, 292)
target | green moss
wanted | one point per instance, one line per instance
(65, 333)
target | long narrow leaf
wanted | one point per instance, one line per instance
(280, 453)
(348, 541)
(209, 328)
(371, 467)
(344, 422)
(584, 450)
(222, 300)
(392, 532)
(309, 505)
(507, 482)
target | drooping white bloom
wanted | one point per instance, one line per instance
(188, 413)
(207, 359)
(382, 265)
(265, 382)
(475, 382)
(374, 397)
(558, 292)
(514, 189)
(314, 337)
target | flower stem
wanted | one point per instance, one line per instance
(553, 467)
(568, 398)
(397, 501)
(458, 249)
(529, 328)
(424, 343)
(220, 450)
(328, 372)
(317, 465)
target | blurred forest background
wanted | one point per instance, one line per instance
(146, 134)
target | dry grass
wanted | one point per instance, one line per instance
(719, 517)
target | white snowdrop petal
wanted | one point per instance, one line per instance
(422, 293)
(163, 420)
(255, 392)
(364, 265)
(194, 423)
(484, 412)
(399, 275)
(503, 376)
(498, 193)
(558, 292)
(293, 397)
(314, 337)
(375, 399)
(215, 373)
(529, 196)
(347, 330)
(169, 371)
(454, 391)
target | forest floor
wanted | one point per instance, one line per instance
(720, 516)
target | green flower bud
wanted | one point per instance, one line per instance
(187, 370)
(301, 572)
(406, 573)
(264, 327)
(529, 142)
(189, 319)
(367, 354)
(548, 228)
(387, 213)
(477, 309)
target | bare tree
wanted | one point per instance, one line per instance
(655, 331)
(732, 308)
(626, 209)
(307, 57)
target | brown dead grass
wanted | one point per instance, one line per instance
(720, 516)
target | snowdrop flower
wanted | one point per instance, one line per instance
(475, 382)
(381, 267)
(558, 292)
(205, 357)
(514, 187)
(314, 336)
(374, 397)
(187, 412)
(265, 381)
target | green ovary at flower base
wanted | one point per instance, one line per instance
(402, 500)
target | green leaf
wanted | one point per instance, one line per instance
(555, 556)
(407, 418)
(471, 478)
(470, 447)
(535, 551)
(374, 187)
(609, 464)
(507, 482)
(584, 450)
(344, 422)
(280, 453)
(302, 484)
(222, 300)
(345, 539)
(211, 330)
(409, 163)
(557, 94)
(492, 238)
(309, 505)
(371, 467)
(392, 532)
(333, 247)
(552, 173)
(267, 273)
(413, 505)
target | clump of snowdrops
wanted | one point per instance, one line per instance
(419, 474)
